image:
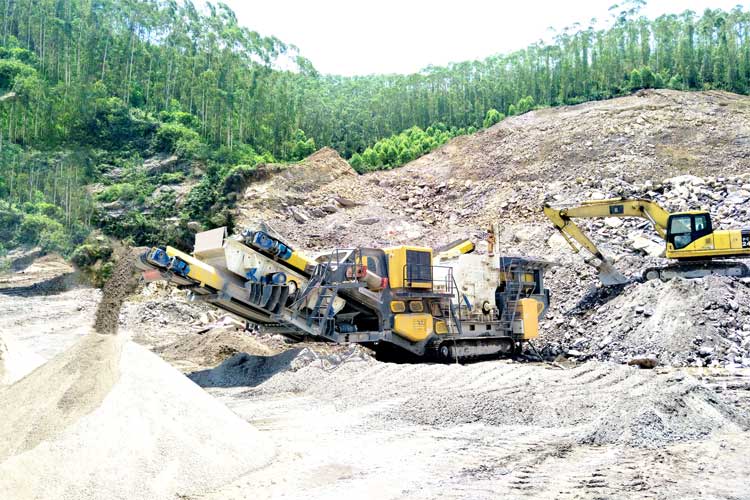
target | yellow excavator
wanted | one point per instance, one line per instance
(690, 238)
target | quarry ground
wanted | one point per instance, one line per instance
(245, 415)
(351, 427)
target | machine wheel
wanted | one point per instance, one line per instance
(508, 349)
(445, 353)
(651, 274)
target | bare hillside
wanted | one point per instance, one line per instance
(507, 171)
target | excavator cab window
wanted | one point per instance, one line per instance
(686, 228)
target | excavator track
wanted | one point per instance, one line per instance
(697, 269)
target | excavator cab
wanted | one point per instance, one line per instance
(686, 227)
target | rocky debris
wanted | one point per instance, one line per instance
(161, 164)
(699, 322)
(299, 215)
(647, 362)
(646, 245)
(345, 202)
(175, 311)
(278, 188)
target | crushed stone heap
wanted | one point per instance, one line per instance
(700, 322)
(593, 403)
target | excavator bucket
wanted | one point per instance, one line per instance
(609, 276)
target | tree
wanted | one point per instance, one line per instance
(492, 117)
(636, 81)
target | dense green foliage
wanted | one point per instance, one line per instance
(404, 147)
(112, 82)
(43, 200)
(75, 64)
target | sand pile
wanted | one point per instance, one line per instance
(57, 394)
(108, 419)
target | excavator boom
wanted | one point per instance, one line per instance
(616, 207)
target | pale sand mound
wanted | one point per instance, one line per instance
(3, 356)
(43, 404)
(16, 361)
(108, 419)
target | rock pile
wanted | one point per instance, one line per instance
(702, 322)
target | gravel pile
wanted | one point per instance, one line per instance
(703, 322)
(244, 369)
(211, 348)
(108, 419)
(595, 403)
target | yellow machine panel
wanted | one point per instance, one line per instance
(441, 328)
(299, 261)
(722, 240)
(413, 327)
(199, 271)
(409, 267)
(530, 310)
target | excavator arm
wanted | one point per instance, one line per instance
(617, 207)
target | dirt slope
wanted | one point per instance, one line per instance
(507, 171)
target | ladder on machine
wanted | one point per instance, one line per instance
(514, 291)
(328, 277)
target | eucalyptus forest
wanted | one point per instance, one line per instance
(89, 86)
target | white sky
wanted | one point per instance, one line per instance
(357, 37)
